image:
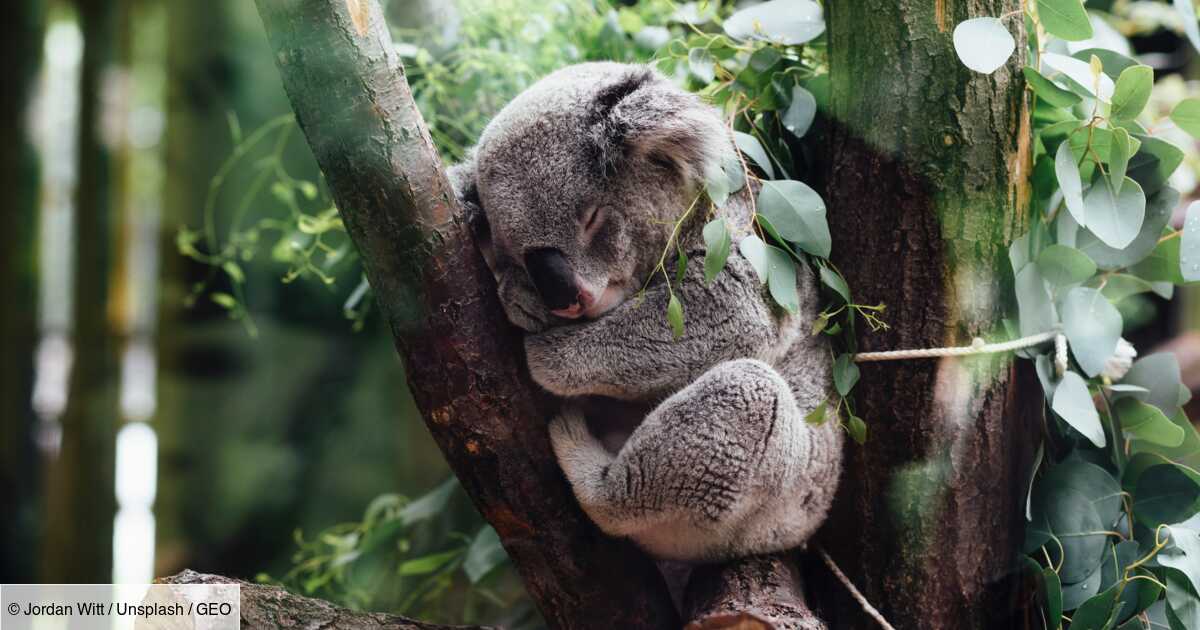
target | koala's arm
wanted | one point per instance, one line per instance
(630, 353)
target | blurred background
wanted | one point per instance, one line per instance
(192, 374)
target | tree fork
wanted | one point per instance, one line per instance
(927, 184)
(464, 362)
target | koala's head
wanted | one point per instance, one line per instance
(576, 185)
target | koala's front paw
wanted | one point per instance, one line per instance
(551, 364)
(569, 434)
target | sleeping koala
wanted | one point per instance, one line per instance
(574, 190)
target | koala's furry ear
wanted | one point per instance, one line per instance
(462, 179)
(643, 116)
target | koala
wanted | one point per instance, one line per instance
(573, 192)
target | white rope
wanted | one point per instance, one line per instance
(854, 592)
(978, 346)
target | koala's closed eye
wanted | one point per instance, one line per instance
(592, 219)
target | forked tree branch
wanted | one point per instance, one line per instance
(464, 362)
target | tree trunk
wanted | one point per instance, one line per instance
(80, 501)
(21, 45)
(927, 184)
(464, 363)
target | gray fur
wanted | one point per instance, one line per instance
(724, 465)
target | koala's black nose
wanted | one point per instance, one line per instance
(553, 277)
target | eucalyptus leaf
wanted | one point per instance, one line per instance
(1186, 115)
(845, 374)
(1035, 308)
(1063, 266)
(1048, 91)
(800, 114)
(1092, 326)
(1184, 554)
(675, 316)
(1164, 495)
(1076, 593)
(1158, 212)
(1154, 162)
(1067, 171)
(750, 146)
(798, 213)
(983, 44)
(755, 251)
(835, 281)
(1159, 373)
(1073, 520)
(788, 22)
(1073, 403)
(1189, 246)
(1065, 19)
(1079, 75)
(717, 244)
(1132, 92)
(1118, 160)
(781, 279)
(1113, 217)
(1147, 423)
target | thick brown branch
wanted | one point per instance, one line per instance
(267, 607)
(347, 87)
(757, 593)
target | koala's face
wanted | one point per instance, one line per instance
(580, 180)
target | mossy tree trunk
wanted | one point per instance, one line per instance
(21, 45)
(927, 185)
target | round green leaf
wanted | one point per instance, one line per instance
(1147, 423)
(1093, 327)
(787, 22)
(1159, 373)
(1158, 212)
(1065, 19)
(1062, 266)
(1187, 115)
(1072, 518)
(798, 213)
(1115, 218)
(983, 44)
(1132, 92)
(1164, 495)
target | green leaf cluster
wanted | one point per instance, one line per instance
(1114, 499)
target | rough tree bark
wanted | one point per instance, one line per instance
(927, 184)
(464, 364)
